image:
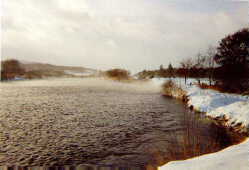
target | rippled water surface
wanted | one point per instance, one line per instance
(88, 121)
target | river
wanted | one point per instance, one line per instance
(87, 123)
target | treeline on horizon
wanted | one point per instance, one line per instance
(227, 65)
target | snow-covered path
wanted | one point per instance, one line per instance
(233, 108)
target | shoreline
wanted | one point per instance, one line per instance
(228, 156)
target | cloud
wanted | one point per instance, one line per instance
(113, 33)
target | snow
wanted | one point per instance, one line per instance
(215, 104)
(233, 158)
(86, 73)
(18, 78)
(234, 108)
(237, 112)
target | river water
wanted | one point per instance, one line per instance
(94, 123)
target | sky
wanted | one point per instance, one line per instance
(104, 34)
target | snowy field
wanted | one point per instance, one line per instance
(231, 107)
(86, 73)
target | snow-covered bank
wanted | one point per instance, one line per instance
(233, 158)
(233, 110)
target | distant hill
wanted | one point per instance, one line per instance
(42, 66)
(14, 69)
(40, 70)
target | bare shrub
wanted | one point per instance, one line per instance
(193, 142)
(118, 74)
(169, 88)
(10, 69)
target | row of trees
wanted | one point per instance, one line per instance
(200, 66)
(227, 65)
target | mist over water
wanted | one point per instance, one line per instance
(91, 83)
(57, 122)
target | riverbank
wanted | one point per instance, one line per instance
(229, 109)
(235, 157)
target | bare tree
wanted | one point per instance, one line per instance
(205, 61)
(200, 61)
(198, 65)
(211, 51)
(186, 64)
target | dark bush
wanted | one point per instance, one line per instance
(118, 74)
(10, 69)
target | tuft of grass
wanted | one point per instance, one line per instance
(171, 89)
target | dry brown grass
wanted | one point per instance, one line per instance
(192, 142)
(169, 88)
(213, 87)
(224, 89)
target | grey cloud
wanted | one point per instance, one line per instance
(114, 33)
